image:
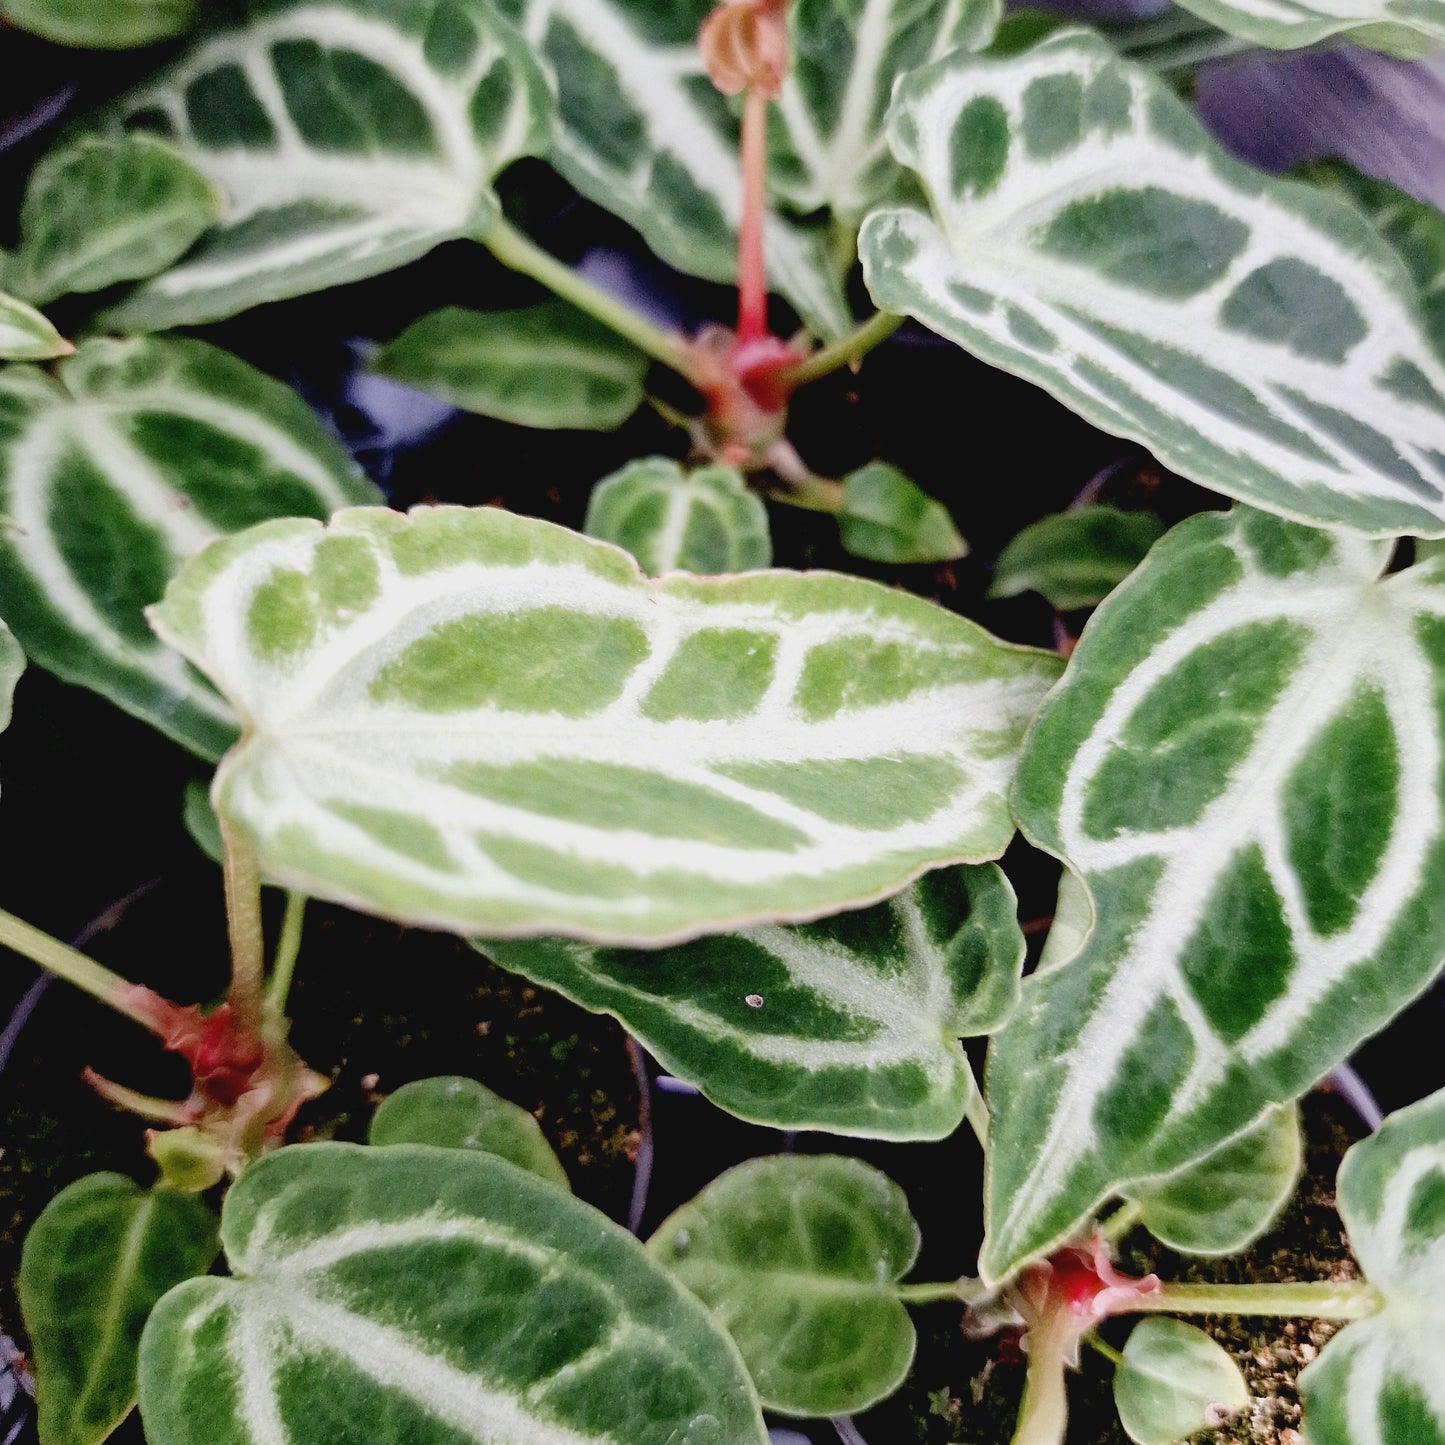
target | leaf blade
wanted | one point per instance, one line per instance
(1075, 559)
(25, 335)
(118, 26)
(1174, 1382)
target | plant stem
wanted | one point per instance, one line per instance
(243, 925)
(976, 1112)
(288, 946)
(1317, 1300)
(963, 1291)
(752, 266)
(1044, 1413)
(810, 494)
(75, 968)
(1121, 1221)
(845, 351)
(515, 250)
(1105, 1349)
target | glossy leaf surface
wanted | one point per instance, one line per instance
(112, 472)
(459, 1113)
(850, 1025)
(888, 518)
(797, 1256)
(1256, 334)
(1075, 558)
(491, 724)
(545, 366)
(1378, 1382)
(101, 24)
(423, 1296)
(1175, 1381)
(347, 138)
(672, 520)
(96, 1261)
(25, 335)
(102, 210)
(1244, 766)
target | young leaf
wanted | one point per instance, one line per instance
(887, 518)
(25, 335)
(1409, 28)
(457, 1113)
(850, 1025)
(422, 1296)
(798, 1258)
(546, 366)
(12, 664)
(1243, 764)
(642, 131)
(347, 138)
(96, 1261)
(828, 145)
(1174, 1382)
(1256, 334)
(110, 476)
(1228, 1199)
(704, 521)
(102, 210)
(101, 24)
(1075, 558)
(1378, 1382)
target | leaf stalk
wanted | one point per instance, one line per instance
(1322, 1300)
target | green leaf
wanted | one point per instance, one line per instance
(798, 1258)
(25, 335)
(1256, 334)
(458, 1113)
(1378, 1382)
(102, 210)
(546, 366)
(704, 521)
(96, 1261)
(887, 518)
(1075, 558)
(828, 146)
(1174, 1382)
(422, 1296)
(494, 725)
(348, 138)
(850, 1025)
(12, 664)
(1409, 28)
(129, 459)
(1243, 764)
(642, 131)
(1230, 1198)
(101, 24)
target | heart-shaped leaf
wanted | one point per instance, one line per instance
(129, 459)
(491, 724)
(1410, 28)
(850, 1025)
(101, 24)
(1243, 764)
(25, 335)
(1174, 1382)
(1089, 235)
(799, 1257)
(887, 518)
(704, 521)
(1075, 558)
(96, 1261)
(347, 138)
(1378, 1382)
(422, 1296)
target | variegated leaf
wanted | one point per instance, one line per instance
(129, 459)
(642, 131)
(1244, 765)
(347, 137)
(850, 1025)
(829, 150)
(1379, 1381)
(704, 521)
(1088, 234)
(102, 24)
(107, 209)
(1174, 1382)
(422, 1296)
(1410, 28)
(494, 725)
(25, 335)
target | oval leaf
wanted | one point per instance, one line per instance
(705, 521)
(132, 458)
(1255, 334)
(103, 210)
(458, 1113)
(96, 1261)
(798, 1257)
(1378, 1382)
(1174, 1382)
(496, 726)
(1243, 764)
(347, 138)
(101, 24)
(887, 518)
(25, 335)
(545, 366)
(420, 1296)
(1075, 558)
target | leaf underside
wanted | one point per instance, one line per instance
(1409, 28)
(26, 335)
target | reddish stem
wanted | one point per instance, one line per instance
(752, 266)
